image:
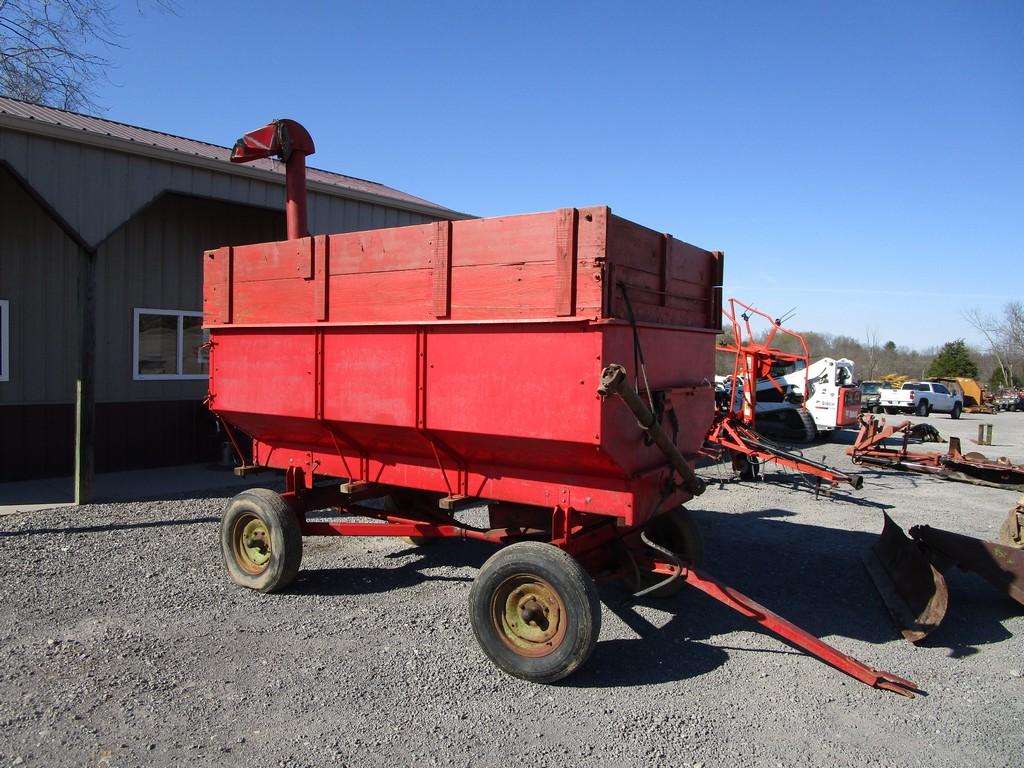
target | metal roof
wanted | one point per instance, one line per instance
(188, 148)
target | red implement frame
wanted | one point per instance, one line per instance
(870, 448)
(733, 427)
(754, 359)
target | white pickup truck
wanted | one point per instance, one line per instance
(921, 397)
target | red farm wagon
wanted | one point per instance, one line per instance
(556, 366)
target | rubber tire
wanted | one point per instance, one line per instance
(677, 531)
(285, 540)
(891, 411)
(748, 470)
(877, 409)
(576, 589)
(922, 408)
(957, 410)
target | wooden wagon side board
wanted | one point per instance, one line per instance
(581, 263)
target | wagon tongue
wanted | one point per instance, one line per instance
(913, 589)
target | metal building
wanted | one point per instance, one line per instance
(102, 230)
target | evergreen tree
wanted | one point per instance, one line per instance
(953, 360)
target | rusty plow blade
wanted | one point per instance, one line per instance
(1001, 566)
(907, 572)
(912, 588)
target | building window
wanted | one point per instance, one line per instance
(5, 341)
(169, 344)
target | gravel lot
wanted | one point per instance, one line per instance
(123, 644)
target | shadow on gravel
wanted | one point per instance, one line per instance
(808, 574)
(658, 656)
(366, 581)
(108, 527)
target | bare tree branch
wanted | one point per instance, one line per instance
(47, 48)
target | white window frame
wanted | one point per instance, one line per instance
(179, 376)
(5, 340)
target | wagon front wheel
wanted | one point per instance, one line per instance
(678, 532)
(535, 611)
(260, 541)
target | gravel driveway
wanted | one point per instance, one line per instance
(123, 644)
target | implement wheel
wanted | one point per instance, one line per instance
(260, 541)
(747, 469)
(535, 611)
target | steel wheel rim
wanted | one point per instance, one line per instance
(529, 616)
(250, 542)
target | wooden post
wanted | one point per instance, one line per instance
(85, 394)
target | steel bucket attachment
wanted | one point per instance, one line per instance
(912, 588)
(1001, 566)
(1011, 532)
(906, 572)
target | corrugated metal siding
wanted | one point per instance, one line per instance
(133, 135)
(155, 261)
(97, 190)
(39, 276)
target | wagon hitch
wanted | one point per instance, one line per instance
(907, 571)
(614, 382)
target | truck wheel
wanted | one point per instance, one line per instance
(922, 408)
(955, 413)
(535, 611)
(260, 541)
(877, 409)
(891, 411)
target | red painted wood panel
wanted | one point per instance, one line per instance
(375, 297)
(383, 250)
(217, 286)
(558, 264)
(273, 261)
(505, 239)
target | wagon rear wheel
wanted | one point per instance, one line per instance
(535, 611)
(260, 541)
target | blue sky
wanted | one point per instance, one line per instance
(862, 162)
